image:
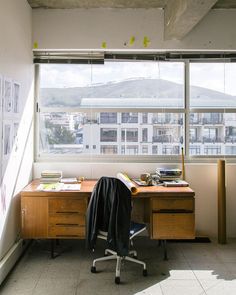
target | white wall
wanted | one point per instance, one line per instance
(16, 63)
(202, 178)
(88, 28)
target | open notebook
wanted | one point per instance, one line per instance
(56, 187)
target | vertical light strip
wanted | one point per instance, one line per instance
(187, 106)
(224, 114)
(36, 110)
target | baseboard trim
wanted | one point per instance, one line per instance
(10, 259)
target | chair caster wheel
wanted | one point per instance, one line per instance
(117, 280)
(93, 269)
(144, 272)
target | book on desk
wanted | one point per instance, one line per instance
(176, 183)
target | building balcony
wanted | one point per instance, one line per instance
(90, 121)
(163, 139)
(206, 121)
(195, 140)
(108, 139)
(212, 140)
(167, 121)
(130, 139)
(108, 121)
(195, 122)
(230, 139)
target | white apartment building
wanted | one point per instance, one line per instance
(134, 134)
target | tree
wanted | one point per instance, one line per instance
(59, 134)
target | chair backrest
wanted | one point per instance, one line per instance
(109, 210)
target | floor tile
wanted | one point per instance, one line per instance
(211, 271)
(52, 286)
(221, 287)
(181, 287)
(90, 286)
(192, 268)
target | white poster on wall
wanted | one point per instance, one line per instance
(7, 140)
(7, 96)
(1, 96)
(1, 104)
(14, 137)
(16, 98)
(9, 120)
(6, 144)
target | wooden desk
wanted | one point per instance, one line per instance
(54, 215)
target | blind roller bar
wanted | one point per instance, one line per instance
(68, 57)
(175, 56)
(99, 57)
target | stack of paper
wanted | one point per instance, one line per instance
(50, 187)
(177, 182)
(168, 174)
(56, 187)
(50, 176)
(69, 180)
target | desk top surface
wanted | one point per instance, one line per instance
(88, 185)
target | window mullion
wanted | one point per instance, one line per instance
(36, 111)
(187, 106)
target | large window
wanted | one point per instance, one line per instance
(137, 108)
(213, 98)
(111, 108)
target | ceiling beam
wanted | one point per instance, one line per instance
(181, 16)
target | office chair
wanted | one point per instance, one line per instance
(109, 218)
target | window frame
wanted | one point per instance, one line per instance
(186, 111)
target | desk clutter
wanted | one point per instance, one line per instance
(165, 177)
(168, 174)
(52, 180)
(171, 177)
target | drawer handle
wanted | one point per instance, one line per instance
(68, 224)
(173, 211)
(67, 235)
(68, 212)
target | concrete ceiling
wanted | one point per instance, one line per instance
(69, 4)
(227, 4)
(180, 16)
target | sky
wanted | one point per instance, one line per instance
(216, 76)
(83, 75)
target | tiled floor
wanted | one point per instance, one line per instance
(192, 268)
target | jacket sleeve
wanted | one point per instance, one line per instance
(91, 222)
(118, 234)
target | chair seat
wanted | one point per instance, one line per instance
(135, 229)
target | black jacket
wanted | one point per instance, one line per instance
(109, 210)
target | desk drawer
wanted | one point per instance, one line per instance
(67, 219)
(174, 205)
(66, 231)
(173, 226)
(59, 205)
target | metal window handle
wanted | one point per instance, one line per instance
(23, 218)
